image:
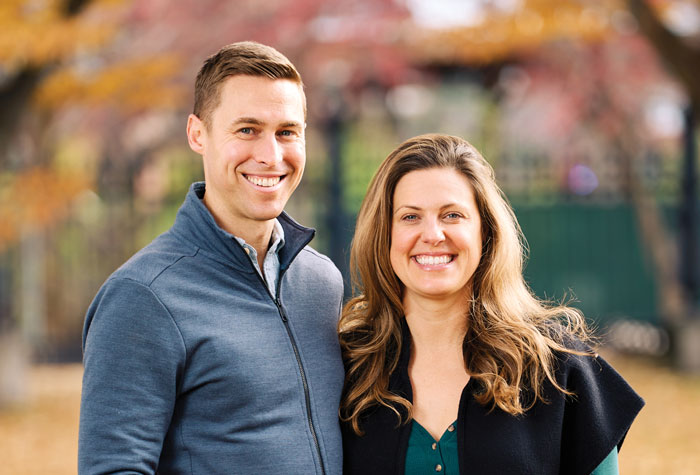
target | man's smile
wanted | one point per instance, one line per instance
(264, 181)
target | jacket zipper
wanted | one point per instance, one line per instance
(304, 382)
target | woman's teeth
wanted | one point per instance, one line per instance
(433, 260)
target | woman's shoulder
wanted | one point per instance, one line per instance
(578, 365)
(602, 405)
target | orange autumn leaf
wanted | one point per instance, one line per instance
(38, 33)
(130, 85)
(35, 199)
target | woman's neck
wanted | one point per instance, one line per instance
(437, 324)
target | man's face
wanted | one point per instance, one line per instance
(254, 149)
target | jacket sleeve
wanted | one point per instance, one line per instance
(598, 416)
(133, 354)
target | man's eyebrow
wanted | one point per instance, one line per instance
(254, 121)
(247, 120)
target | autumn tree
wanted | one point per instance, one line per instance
(33, 42)
(55, 57)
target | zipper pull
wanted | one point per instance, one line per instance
(281, 310)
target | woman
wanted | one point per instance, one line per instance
(453, 366)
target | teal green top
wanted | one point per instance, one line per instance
(426, 455)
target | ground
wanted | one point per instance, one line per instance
(41, 437)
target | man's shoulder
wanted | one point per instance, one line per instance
(311, 253)
(155, 259)
(311, 264)
(311, 257)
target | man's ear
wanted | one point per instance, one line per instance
(196, 134)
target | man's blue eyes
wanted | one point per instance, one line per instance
(250, 130)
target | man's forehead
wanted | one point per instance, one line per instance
(256, 97)
(247, 84)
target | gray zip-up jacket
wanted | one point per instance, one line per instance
(192, 366)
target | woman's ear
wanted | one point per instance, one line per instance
(196, 134)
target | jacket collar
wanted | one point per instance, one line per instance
(399, 381)
(196, 224)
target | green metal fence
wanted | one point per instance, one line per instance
(594, 253)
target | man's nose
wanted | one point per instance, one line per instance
(268, 151)
(433, 232)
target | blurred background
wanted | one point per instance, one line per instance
(587, 111)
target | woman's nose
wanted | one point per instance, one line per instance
(433, 233)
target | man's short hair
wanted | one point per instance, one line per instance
(247, 58)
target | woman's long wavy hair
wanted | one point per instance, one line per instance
(511, 335)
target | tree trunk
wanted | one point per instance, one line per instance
(14, 360)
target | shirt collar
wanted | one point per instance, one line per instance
(277, 237)
(275, 244)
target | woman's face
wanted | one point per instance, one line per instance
(435, 233)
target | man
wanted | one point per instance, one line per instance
(213, 349)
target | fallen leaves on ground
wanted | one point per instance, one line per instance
(41, 436)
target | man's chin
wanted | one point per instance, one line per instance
(266, 215)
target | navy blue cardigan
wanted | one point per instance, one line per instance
(569, 435)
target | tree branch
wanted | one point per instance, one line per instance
(74, 7)
(16, 92)
(681, 58)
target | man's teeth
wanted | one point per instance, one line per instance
(260, 181)
(433, 260)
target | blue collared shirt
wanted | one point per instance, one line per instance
(271, 263)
